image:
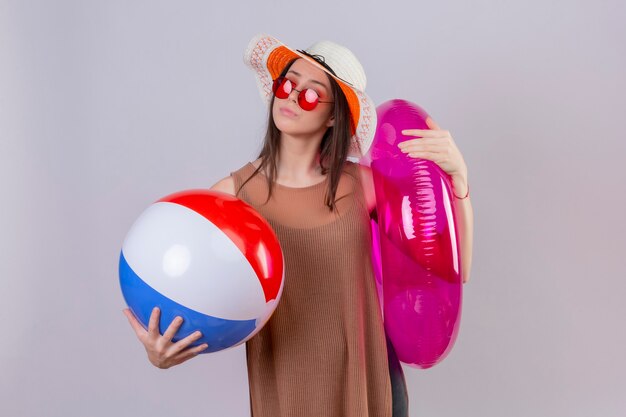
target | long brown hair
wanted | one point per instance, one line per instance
(333, 148)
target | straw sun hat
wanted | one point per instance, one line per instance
(267, 57)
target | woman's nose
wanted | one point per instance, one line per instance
(294, 98)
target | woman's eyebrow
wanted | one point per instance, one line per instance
(297, 74)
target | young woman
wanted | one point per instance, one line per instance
(324, 351)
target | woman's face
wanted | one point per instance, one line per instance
(289, 117)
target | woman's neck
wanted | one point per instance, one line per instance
(299, 159)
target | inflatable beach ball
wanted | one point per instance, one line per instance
(205, 256)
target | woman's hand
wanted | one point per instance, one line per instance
(162, 353)
(438, 146)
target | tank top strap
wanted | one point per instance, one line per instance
(239, 178)
(358, 184)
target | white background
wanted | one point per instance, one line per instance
(107, 106)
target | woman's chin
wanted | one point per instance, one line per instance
(288, 127)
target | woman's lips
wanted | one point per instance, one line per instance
(287, 112)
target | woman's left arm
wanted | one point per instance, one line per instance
(438, 146)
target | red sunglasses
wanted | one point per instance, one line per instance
(307, 98)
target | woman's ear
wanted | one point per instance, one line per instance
(331, 121)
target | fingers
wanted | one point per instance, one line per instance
(153, 327)
(190, 353)
(183, 343)
(423, 155)
(137, 327)
(419, 145)
(173, 328)
(153, 324)
(431, 142)
(426, 133)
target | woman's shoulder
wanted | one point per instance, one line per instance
(364, 172)
(225, 185)
(229, 183)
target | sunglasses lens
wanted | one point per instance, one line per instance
(307, 99)
(282, 87)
